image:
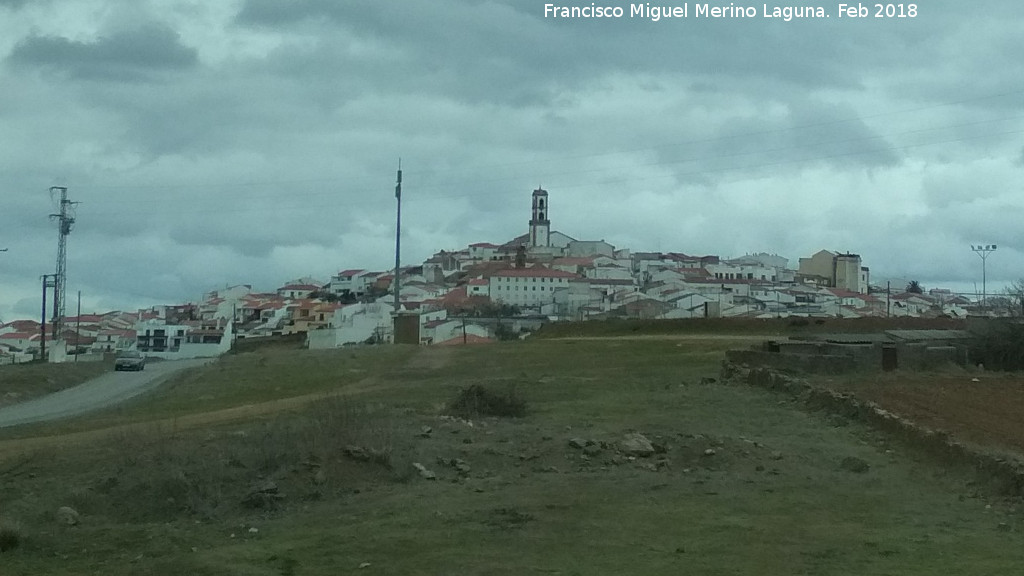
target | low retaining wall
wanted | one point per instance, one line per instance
(814, 363)
(1005, 475)
(829, 358)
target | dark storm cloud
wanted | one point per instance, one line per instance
(122, 56)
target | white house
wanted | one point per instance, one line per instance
(353, 324)
(21, 341)
(113, 340)
(157, 339)
(356, 282)
(528, 287)
(447, 329)
(478, 287)
(297, 290)
(484, 251)
(584, 248)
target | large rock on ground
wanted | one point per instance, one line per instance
(67, 515)
(636, 444)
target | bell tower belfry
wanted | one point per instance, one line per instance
(540, 226)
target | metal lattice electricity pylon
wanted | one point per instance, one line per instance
(65, 222)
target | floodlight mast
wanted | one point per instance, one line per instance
(983, 250)
(397, 282)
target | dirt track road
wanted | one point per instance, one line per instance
(106, 390)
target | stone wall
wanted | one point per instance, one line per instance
(789, 362)
(832, 359)
(1002, 473)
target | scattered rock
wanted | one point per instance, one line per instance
(1004, 527)
(707, 380)
(710, 452)
(364, 565)
(361, 454)
(264, 495)
(592, 450)
(425, 431)
(68, 516)
(578, 443)
(636, 444)
(424, 473)
(855, 465)
(776, 455)
(460, 465)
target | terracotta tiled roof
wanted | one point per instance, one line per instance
(300, 287)
(573, 261)
(607, 281)
(22, 325)
(469, 339)
(533, 273)
(725, 281)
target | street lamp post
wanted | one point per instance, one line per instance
(983, 250)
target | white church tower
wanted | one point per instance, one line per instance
(540, 226)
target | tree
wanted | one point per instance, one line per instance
(914, 287)
(1015, 294)
(345, 297)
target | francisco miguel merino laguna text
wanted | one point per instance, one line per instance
(657, 12)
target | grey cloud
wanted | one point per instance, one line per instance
(256, 234)
(492, 52)
(125, 55)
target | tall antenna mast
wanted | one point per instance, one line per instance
(65, 222)
(398, 237)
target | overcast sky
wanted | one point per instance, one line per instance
(256, 141)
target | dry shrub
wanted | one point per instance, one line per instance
(209, 473)
(477, 401)
(10, 535)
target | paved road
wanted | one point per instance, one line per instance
(106, 390)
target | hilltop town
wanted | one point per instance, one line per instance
(487, 291)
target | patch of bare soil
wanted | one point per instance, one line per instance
(730, 337)
(988, 412)
(11, 448)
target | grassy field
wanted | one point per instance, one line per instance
(284, 462)
(20, 382)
